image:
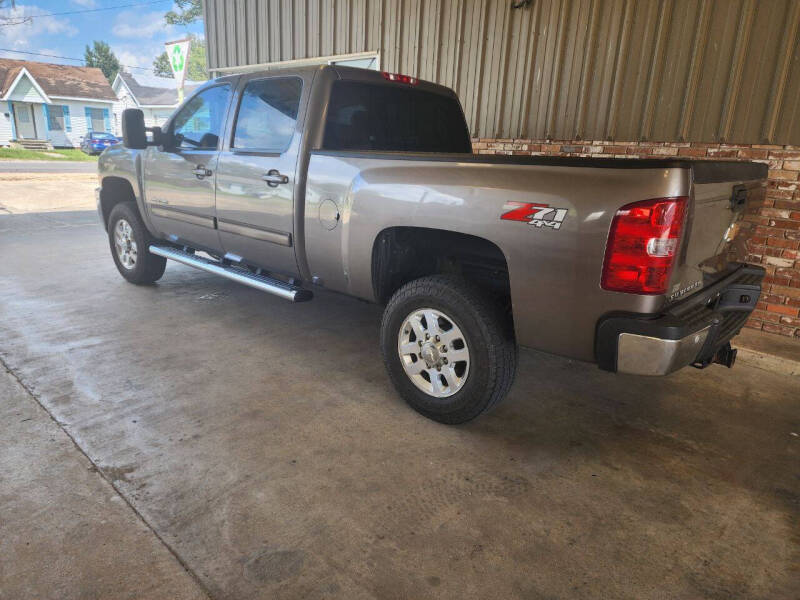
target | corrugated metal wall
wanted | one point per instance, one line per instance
(664, 70)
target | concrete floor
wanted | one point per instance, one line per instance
(260, 445)
(66, 532)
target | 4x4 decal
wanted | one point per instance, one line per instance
(540, 215)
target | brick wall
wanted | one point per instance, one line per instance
(776, 243)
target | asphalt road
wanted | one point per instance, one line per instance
(47, 166)
(261, 447)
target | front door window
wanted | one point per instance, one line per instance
(198, 125)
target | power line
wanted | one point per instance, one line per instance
(26, 18)
(66, 58)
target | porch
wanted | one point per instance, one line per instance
(44, 125)
(32, 144)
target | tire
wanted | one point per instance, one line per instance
(487, 368)
(136, 265)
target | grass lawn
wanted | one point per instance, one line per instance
(66, 155)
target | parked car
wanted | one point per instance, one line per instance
(95, 142)
(365, 183)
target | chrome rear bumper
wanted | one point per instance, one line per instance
(695, 331)
(646, 355)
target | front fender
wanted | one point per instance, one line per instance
(127, 164)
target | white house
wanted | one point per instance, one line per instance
(157, 97)
(59, 104)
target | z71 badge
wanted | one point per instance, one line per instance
(540, 215)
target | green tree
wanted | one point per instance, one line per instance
(195, 69)
(101, 56)
(188, 11)
(161, 65)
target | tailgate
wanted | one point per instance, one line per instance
(716, 232)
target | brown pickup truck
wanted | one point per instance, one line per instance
(365, 183)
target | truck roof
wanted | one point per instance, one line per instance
(348, 74)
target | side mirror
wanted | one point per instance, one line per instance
(134, 135)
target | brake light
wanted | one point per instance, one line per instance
(642, 244)
(400, 78)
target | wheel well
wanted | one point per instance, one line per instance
(113, 191)
(401, 254)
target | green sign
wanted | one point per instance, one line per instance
(177, 59)
(178, 54)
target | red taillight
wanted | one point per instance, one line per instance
(642, 244)
(400, 78)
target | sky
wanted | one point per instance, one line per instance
(135, 33)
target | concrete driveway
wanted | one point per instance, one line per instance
(251, 448)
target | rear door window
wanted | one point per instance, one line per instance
(391, 117)
(268, 115)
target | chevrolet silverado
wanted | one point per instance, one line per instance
(365, 183)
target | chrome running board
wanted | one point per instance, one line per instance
(260, 281)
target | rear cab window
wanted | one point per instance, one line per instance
(394, 118)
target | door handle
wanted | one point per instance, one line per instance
(274, 178)
(200, 171)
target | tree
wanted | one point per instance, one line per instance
(12, 18)
(195, 69)
(188, 11)
(161, 65)
(101, 56)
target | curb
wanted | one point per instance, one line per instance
(769, 362)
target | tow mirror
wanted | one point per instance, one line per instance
(134, 134)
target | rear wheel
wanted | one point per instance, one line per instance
(447, 348)
(129, 241)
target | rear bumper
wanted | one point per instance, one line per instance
(689, 332)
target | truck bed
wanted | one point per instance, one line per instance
(554, 272)
(703, 171)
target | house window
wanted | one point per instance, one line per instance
(55, 118)
(98, 123)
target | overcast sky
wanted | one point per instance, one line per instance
(135, 33)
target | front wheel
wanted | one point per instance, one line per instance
(130, 242)
(447, 348)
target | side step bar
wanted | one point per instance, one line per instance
(262, 282)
